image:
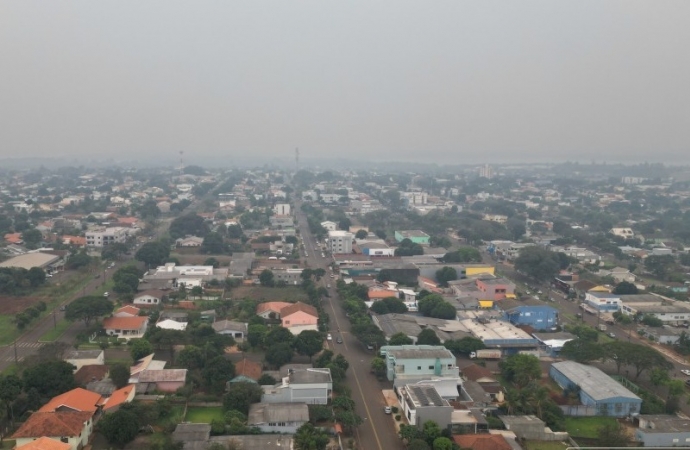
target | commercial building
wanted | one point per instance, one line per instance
(45, 261)
(501, 335)
(416, 236)
(106, 236)
(419, 361)
(597, 390)
(661, 430)
(422, 402)
(539, 317)
(340, 242)
(603, 301)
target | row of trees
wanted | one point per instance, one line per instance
(20, 281)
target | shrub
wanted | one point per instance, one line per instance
(394, 409)
(397, 417)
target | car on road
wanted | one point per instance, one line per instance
(685, 372)
(612, 335)
(329, 337)
(106, 294)
(387, 409)
(339, 340)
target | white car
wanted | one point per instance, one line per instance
(329, 337)
(685, 372)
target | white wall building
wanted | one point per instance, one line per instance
(282, 209)
(106, 236)
(340, 242)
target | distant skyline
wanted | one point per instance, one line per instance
(447, 82)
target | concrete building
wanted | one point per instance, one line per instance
(329, 225)
(189, 276)
(81, 358)
(416, 236)
(416, 361)
(289, 275)
(278, 417)
(237, 330)
(282, 209)
(340, 242)
(495, 288)
(597, 390)
(499, 334)
(665, 309)
(603, 301)
(661, 430)
(311, 386)
(45, 261)
(539, 317)
(422, 402)
(532, 428)
(106, 236)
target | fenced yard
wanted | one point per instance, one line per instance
(204, 414)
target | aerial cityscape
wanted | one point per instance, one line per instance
(356, 226)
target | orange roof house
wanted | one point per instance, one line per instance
(127, 311)
(126, 327)
(249, 369)
(482, 441)
(44, 443)
(79, 241)
(119, 397)
(379, 294)
(266, 309)
(299, 317)
(75, 400)
(14, 238)
(74, 426)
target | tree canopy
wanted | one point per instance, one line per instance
(153, 253)
(88, 308)
(538, 262)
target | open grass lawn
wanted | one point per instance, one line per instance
(586, 427)
(204, 415)
(260, 293)
(544, 445)
(54, 333)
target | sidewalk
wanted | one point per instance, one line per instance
(392, 401)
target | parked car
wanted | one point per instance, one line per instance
(387, 409)
(106, 294)
(339, 340)
(612, 335)
(329, 337)
(685, 372)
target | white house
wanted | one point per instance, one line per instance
(312, 386)
(278, 417)
(150, 297)
(71, 427)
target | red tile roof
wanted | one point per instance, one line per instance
(128, 309)
(61, 423)
(44, 443)
(124, 323)
(475, 372)
(119, 397)
(482, 441)
(299, 306)
(249, 369)
(271, 306)
(13, 238)
(381, 293)
(77, 399)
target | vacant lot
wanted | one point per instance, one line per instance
(260, 293)
(586, 427)
(15, 305)
(204, 414)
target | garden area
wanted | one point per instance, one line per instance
(204, 414)
(586, 427)
(270, 294)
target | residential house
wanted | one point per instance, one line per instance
(482, 441)
(662, 430)
(418, 361)
(149, 297)
(70, 427)
(278, 417)
(539, 317)
(163, 380)
(77, 399)
(597, 390)
(44, 443)
(81, 358)
(422, 402)
(248, 369)
(87, 374)
(312, 386)
(126, 327)
(189, 242)
(486, 380)
(170, 324)
(299, 317)
(271, 310)
(127, 311)
(119, 397)
(237, 330)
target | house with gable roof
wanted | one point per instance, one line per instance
(299, 317)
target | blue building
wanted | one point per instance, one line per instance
(539, 317)
(597, 390)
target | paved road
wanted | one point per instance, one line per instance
(378, 430)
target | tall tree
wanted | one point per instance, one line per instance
(119, 427)
(446, 274)
(520, 369)
(153, 253)
(88, 308)
(140, 348)
(119, 374)
(428, 337)
(538, 262)
(266, 278)
(308, 343)
(241, 395)
(400, 339)
(49, 378)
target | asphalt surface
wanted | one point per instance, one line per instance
(378, 430)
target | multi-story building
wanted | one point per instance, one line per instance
(340, 242)
(311, 386)
(282, 209)
(419, 362)
(106, 236)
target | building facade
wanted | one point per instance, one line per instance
(340, 242)
(417, 361)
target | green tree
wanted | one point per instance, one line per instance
(379, 368)
(465, 345)
(660, 266)
(188, 225)
(88, 308)
(446, 274)
(114, 251)
(538, 262)
(582, 351)
(625, 288)
(119, 427)
(278, 335)
(119, 374)
(266, 278)
(78, 260)
(428, 337)
(443, 443)
(418, 444)
(431, 431)
(241, 395)
(256, 334)
(10, 388)
(191, 357)
(32, 238)
(611, 434)
(153, 253)
(140, 348)
(308, 437)
(49, 378)
(462, 255)
(308, 343)
(400, 339)
(213, 243)
(36, 276)
(279, 354)
(216, 373)
(520, 369)
(361, 234)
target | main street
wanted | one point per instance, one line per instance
(378, 430)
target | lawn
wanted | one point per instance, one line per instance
(586, 427)
(544, 445)
(261, 293)
(54, 333)
(204, 414)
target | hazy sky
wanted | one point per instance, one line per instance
(445, 81)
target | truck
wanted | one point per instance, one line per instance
(486, 354)
(602, 327)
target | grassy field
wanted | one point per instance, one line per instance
(586, 427)
(260, 293)
(544, 445)
(54, 333)
(204, 415)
